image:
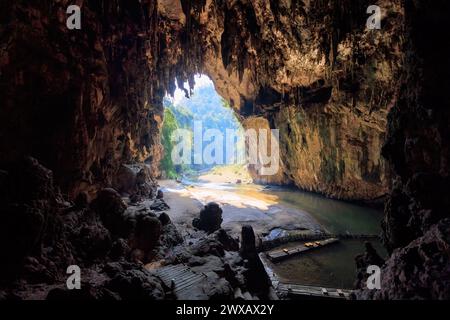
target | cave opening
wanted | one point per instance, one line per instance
(102, 174)
(202, 133)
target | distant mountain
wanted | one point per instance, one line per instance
(206, 106)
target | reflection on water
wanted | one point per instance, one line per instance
(332, 266)
(337, 217)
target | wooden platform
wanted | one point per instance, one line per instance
(300, 291)
(180, 278)
(296, 236)
(282, 254)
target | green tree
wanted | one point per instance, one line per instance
(169, 126)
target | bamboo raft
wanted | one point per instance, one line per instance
(300, 291)
(266, 245)
(282, 254)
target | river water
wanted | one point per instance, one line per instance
(337, 217)
(332, 266)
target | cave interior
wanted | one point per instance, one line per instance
(363, 116)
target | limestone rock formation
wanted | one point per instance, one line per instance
(416, 225)
(84, 103)
(310, 69)
(110, 207)
(80, 102)
(418, 271)
(418, 137)
(210, 219)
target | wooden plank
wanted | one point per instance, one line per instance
(176, 274)
(172, 271)
(171, 268)
(181, 276)
(190, 283)
(188, 279)
(279, 255)
(311, 291)
(164, 273)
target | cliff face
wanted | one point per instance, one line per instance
(418, 137)
(313, 71)
(416, 225)
(85, 102)
(89, 100)
(82, 102)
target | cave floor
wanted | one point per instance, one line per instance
(241, 205)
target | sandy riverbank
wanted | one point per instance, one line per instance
(241, 204)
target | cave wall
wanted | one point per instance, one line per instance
(418, 136)
(81, 101)
(416, 225)
(312, 70)
(89, 100)
(85, 102)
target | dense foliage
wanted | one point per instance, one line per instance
(204, 106)
(169, 126)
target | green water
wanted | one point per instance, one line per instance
(337, 217)
(333, 266)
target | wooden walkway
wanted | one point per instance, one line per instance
(295, 290)
(288, 290)
(301, 236)
(179, 278)
(282, 254)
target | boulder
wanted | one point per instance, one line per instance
(133, 282)
(147, 233)
(92, 241)
(144, 182)
(110, 206)
(228, 242)
(159, 205)
(135, 181)
(143, 230)
(125, 180)
(210, 218)
(170, 236)
(363, 261)
(256, 277)
(28, 214)
(164, 218)
(416, 271)
(120, 249)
